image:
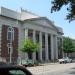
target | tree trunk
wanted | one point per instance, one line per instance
(30, 55)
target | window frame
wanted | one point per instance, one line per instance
(10, 30)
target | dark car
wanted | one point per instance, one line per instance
(13, 70)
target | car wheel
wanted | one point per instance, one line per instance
(60, 62)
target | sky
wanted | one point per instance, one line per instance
(42, 8)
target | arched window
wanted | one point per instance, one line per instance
(10, 34)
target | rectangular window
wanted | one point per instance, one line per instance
(9, 36)
(10, 49)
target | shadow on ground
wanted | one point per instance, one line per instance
(72, 71)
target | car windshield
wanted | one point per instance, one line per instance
(65, 57)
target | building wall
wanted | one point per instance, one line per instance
(39, 28)
(4, 44)
(41, 25)
(0, 38)
(4, 48)
(4, 24)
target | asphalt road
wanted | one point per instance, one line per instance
(70, 71)
(66, 72)
(54, 69)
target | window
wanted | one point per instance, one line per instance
(17, 72)
(10, 50)
(10, 34)
(12, 71)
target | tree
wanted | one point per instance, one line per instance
(68, 46)
(58, 4)
(29, 46)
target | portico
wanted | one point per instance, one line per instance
(48, 44)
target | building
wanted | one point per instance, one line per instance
(17, 26)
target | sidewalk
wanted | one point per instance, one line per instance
(47, 67)
(49, 64)
(50, 68)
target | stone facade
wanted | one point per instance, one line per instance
(27, 25)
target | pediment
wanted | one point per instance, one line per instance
(43, 21)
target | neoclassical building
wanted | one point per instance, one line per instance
(17, 26)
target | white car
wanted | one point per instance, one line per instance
(65, 60)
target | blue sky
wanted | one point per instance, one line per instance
(42, 8)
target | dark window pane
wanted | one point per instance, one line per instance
(9, 36)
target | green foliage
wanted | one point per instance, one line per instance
(68, 46)
(58, 4)
(29, 46)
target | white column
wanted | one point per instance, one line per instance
(26, 33)
(34, 40)
(40, 41)
(46, 47)
(56, 47)
(52, 50)
(62, 48)
(26, 37)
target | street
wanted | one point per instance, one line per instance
(53, 69)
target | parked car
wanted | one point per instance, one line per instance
(13, 70)
(27, 63)
(30, 63)
(65, 60)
